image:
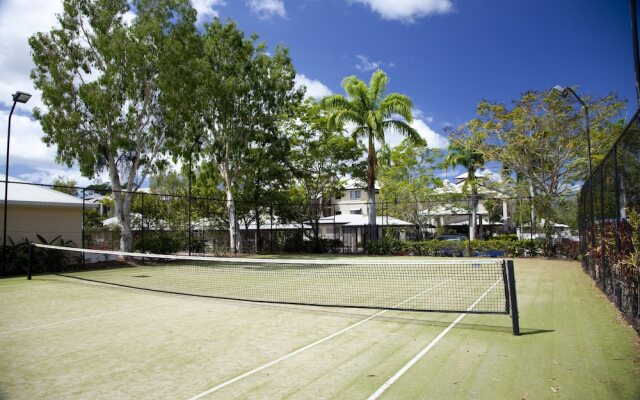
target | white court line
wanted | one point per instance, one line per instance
(424, 351)
(80, 318)
(320, 341)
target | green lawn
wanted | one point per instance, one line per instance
(63, 338)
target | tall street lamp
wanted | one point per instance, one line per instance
(564, 92)
(18, 97)
(199, 142)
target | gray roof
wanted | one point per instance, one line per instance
(24, 193)
(362, 220)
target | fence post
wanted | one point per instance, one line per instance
(602, 216)
(83, 217)
(142, 223)
(513, 301)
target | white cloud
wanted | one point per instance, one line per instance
(365, 64)
(48, 175)
(407, 10)
(27, 147)
(18, 20)
(205, 8)
(314, 88)
(434, 140)
(266, 9)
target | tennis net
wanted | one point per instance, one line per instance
(464, 286)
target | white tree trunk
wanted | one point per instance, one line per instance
(235, 243)
(533, 209)
(474, 217)
(122, 203)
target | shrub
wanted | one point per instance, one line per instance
(450, 248)
(159, 243)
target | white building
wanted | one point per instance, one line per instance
(455, 216)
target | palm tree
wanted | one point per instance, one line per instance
(466, 152)
(372, 114)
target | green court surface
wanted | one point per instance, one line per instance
(63, 338)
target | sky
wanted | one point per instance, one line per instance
(446, 55)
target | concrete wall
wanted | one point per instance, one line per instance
(49, 222)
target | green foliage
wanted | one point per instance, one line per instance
(65, 185)
(373, 114)
(45, 260)
(407, 182)
(159, 242)
(438, 248)
(109, 88)
(541, 138)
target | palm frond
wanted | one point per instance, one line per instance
(405, 130)
(396, 103)
(377, 87)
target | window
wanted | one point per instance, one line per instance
(358, 211)
(355, 195)
(338, 212)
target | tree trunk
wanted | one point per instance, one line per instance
(532, 194)
(122, 203)
(126, 233)
(258, 238)
(235, 244)
(371, 186)
(474, 214)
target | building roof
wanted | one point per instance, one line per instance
(362, 220)
(357, 184)
(28, 194)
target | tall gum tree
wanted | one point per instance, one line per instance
(103, 77)
(372, 114)
(242, 93)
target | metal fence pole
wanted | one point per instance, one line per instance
(617, 194)
(83, 218)
(513, 299)
(602, 217)
(142, 223)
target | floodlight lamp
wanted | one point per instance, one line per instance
(561, 90)
(21, 97)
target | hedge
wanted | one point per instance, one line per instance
(490, 248)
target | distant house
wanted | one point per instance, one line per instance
(558, 232)
(352, 229)
(353, 199)
(38, 210)
(455, 216)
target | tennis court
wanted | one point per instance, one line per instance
(61, 337)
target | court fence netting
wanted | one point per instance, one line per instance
(609, 223)
(484, 286)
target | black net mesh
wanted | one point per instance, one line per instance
(474, 286)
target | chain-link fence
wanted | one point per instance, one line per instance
(609, 222)
(177, 224)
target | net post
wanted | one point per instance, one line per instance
(30, 264)
(513, 299)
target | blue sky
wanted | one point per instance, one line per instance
(445, 54)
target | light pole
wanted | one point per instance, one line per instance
(18, 97)
(564, 92)
(199, 141)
